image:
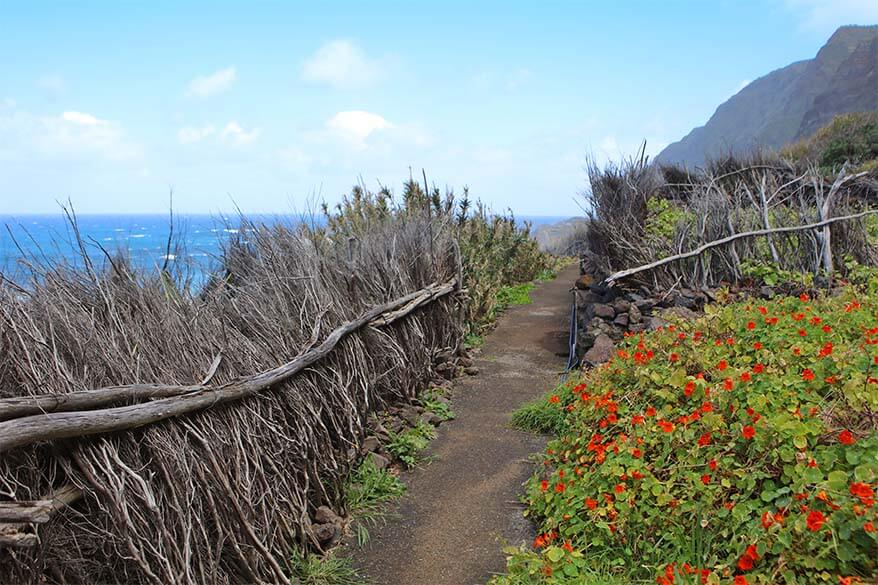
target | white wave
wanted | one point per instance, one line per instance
(137, 236)
(169, 257)
(231, 231)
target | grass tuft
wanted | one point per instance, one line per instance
(331, 569)
(540, 416)
(406, 445)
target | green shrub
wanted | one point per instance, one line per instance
(737, 448)
(851, 138)
(406, 445)
(367, 491)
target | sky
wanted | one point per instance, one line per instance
(270, 107)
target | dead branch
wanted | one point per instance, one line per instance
(701, 249)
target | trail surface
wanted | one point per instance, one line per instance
(460, 505)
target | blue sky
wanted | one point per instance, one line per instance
(268, 106)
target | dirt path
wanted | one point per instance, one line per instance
(460, 505)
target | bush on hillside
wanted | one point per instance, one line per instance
(848, 138)
(741, 448)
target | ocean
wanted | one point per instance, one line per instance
(143, 237)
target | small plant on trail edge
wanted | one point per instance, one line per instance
(740, 448)
(541, 416)
(331, 569)
(438, 407)
(368, 490)
(406, 445)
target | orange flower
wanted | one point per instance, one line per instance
(846, 437)
(815, 520)
(591, 504)
(666, 426)
(554, 399)
(741, 580)
(567, 546)
(869, 526)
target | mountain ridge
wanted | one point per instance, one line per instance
(789, 103)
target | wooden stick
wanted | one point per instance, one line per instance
(62, 425)
(630, 271)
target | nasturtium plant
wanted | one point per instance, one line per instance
(737, 448)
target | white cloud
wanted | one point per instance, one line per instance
(233, 133)
(82, 119)
(824, 16)
(356, 126)
(213, 84)
(191, 135)
(341, 64)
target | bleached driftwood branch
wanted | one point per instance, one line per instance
(701, 249)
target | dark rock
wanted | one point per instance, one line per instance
(621, 320)
(325, 515)
(634, 314)
(410, 415)
(379, 461)
(431, 419)
(471, 371)
(645, 306)
(637, 327)
(684, 312)
(604, 311)
(585, 340)
(326, 534)
(766, 292)
(653, 323)
(600, 351)
(621, 306)
(465, 362)
(370, 444)
(685, 301)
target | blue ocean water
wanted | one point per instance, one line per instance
(144, 238)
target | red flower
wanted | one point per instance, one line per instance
(815, 520)
(807, 375)
(689, 389)
(745, 376)
(620, 487)
(544, 485)
(864, 492)
(637, 420)
(757, 346)
(846, 438)
(554, 399)
(827, 329)
(567, 546)
(650, 411)
(758, 368)
(869, 526)
(802, 333)
(705, 479)
(666, 426)
(673, 357)
(767, 520)
(748, 432)
(722, 365)
(826, 350)
(704, 440)
(559, 488)
(591, 504)
(712, 464)
(751, 325)
(804, 298)
(741, 580)
(728, 384)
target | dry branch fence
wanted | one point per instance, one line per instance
(665, 226)
(137, 468)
